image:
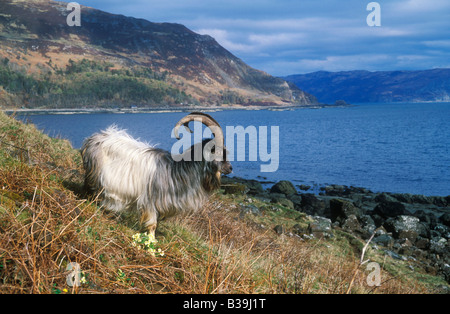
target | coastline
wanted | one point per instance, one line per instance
(43, 111)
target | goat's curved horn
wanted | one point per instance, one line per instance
(207, 120)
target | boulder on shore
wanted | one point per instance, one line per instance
(312, 205)
(388, 209)
(284, 187)
(406, 227)
(320, 227)
(341, 209)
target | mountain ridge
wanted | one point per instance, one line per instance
(362, 86)
(34, 34)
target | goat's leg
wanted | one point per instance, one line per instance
(150, 220)
(113, 202)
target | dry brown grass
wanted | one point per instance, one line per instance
(46, 223)
(251, 259)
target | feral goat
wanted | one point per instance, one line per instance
(132, 175)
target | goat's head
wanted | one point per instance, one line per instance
(212, 150)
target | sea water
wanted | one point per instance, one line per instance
(402, 148)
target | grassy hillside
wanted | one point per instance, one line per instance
(86, 84)
(36, 39)
(46, 223)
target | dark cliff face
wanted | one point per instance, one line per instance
(383, 86)
(40, 26)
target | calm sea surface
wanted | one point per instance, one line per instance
(384, 147)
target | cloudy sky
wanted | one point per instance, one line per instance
(285, 37)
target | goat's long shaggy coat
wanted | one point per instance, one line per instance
(134, 175)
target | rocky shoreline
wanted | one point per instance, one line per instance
(406, 226)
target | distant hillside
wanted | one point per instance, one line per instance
(386, 86)
(174, 65)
